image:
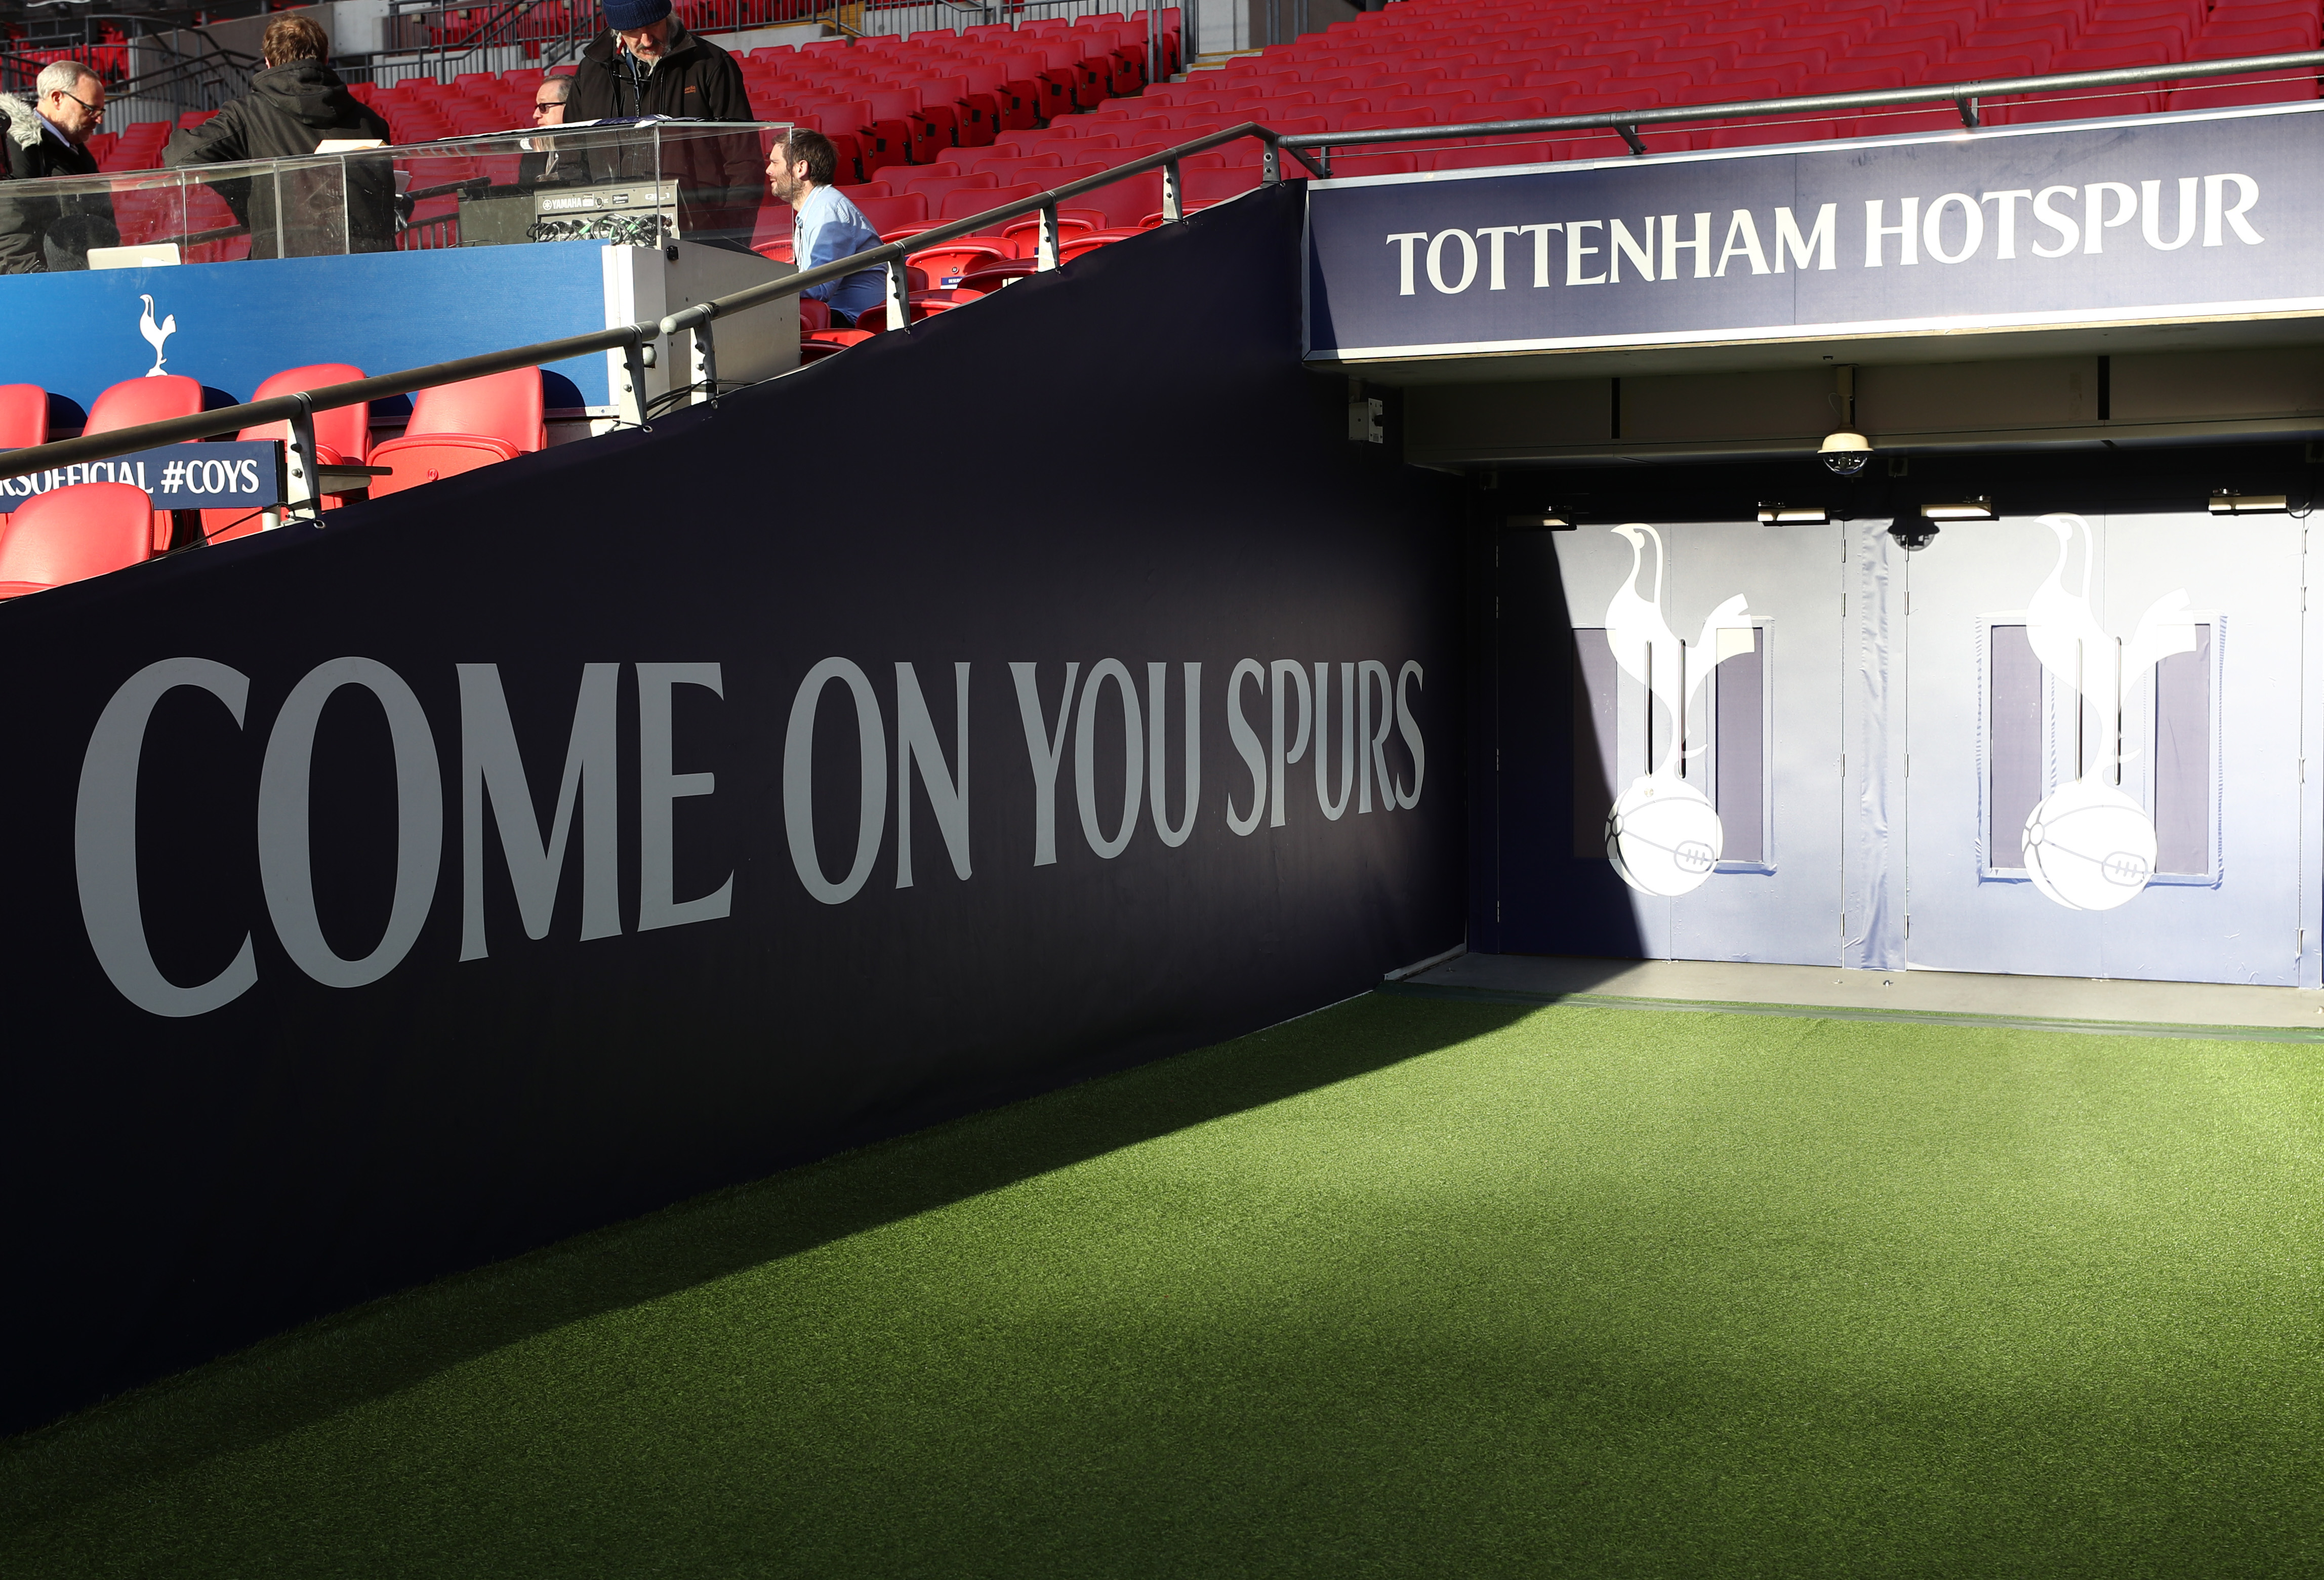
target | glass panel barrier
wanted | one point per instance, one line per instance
(635, 183)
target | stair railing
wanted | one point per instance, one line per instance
(635, 341)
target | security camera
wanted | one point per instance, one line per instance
(1845, 453)
(1914, 534)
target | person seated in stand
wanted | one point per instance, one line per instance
(294, 106)
(825, 225)
(541, 164)
(44, 230)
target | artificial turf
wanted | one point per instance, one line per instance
(1406, 1285)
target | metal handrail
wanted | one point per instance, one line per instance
(1964, 96)
(181, 77)
(299, 409)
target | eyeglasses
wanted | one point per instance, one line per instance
(93, 109)
(547, 104)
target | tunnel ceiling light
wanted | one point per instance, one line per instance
(1779, 514)
(1980, 509)
(2227, 502)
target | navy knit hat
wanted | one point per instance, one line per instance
(622, 16)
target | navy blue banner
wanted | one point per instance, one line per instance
(2156, 219)
(218, 475)
(525, 852)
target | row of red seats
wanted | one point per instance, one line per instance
(884, 101)
(908, 100)
(543, 24)
(454, 428)
(1431, 63)
(109, 59)
(911, 96)
(1424, 62)
(1311, 88)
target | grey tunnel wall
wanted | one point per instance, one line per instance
(559, 841)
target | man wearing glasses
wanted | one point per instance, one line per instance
(547, 110)
(40, 231)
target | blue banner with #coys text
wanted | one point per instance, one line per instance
(2156, 219)
(216, 475)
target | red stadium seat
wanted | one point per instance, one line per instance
(831, 342)
(1090, 241)
(145, 400)
(947, 264)
(887, 214)
(1213, 186)
(23, 416)
(1023, 236)
(460, 428)
(151, 399)
(70, 534)
(1753, 136)
(2225, 41)
(923, 304)
(341, 434)
(1481, 158)
(1360, 161)
(1127, 201)
(963, 205)
(937, 185)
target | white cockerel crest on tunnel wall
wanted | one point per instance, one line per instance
(2088, 846)
(1663, 836)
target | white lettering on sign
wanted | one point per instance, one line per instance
(1949, 227)
(1246, 744)
(104, 841)
(659, 788)
(33, 482)
(1405, 243)
(1436, 261)
(1816, 243)
(1380, 762)
(285, 853)
(491, 765)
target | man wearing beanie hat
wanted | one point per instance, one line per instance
(648, 64)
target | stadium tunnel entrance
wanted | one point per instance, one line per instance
(2021, 680)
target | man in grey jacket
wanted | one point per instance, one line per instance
(53, 229)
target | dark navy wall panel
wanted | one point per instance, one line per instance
(1122, 461)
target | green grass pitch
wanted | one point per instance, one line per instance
(1407, 1286)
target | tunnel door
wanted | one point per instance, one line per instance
(2103, 748)
(1732, 709)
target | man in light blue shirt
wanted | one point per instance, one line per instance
(825, 225)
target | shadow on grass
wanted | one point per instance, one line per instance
(388, 1346)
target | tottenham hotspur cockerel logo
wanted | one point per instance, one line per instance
(1663, 836)
(155, 335)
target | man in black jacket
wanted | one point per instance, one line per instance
(44, 230)
(648, 64)
(294, 105)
